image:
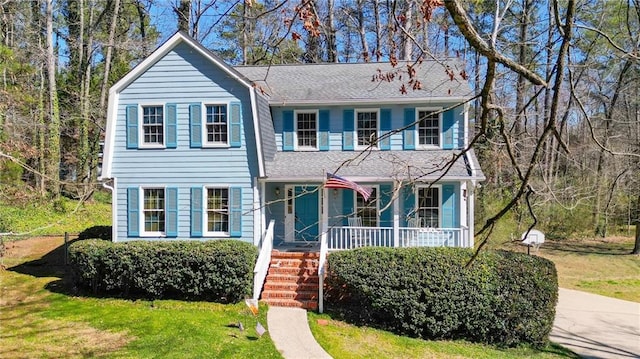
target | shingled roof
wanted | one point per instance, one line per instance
(374, 165)
(337, 83)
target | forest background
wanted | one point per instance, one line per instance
(556, 116)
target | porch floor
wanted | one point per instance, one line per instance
(299, 246)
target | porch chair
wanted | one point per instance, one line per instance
(359, 236)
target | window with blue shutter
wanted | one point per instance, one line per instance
(195, 126)
(385, 127)
(133, 212)
(235, 215)
(347, 205)
(449, 206)
(409, 133)
(386, 215)
(171, 125)
(347, 130)
(448, 130)
(171, 210)
(131, 114)
(196, 212)
(235, 119)
(287, 130)
(323, 133)
(408, 203)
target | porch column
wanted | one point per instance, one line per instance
(324, 227)
(396, 217)
(258, 214)
(470, 209)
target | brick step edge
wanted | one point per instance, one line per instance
(295, 255)
(284, 278)
(305, 304)
(274, 285)
(279, 294)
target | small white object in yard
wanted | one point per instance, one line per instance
(240, 326)
(253, 305)
(260, 329)
(533, 238)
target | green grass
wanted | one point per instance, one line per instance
(55, 217)
(342, 340)
(41, 318)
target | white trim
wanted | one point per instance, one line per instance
(355, 128)
(417, 130)
(258, 134)
(151, 146)
(297, 147)
(141, 222)
(205, 211)
(466, 125)
(257, 212)
(203, 124)
(110, 138)
(439, 200)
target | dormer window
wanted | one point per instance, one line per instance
(367, 128)
(429, 128)
(307, 130)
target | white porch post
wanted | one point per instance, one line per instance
(325, 215)
(396, 216)
(259, 213)
(471, 206)
(323, 240)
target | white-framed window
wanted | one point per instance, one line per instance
(428, 206)
(216, 216)
(368, 210)
(153, 212)
(367, 127)
(429, 127)
(306, 130)
(216, 125)
(152, 126)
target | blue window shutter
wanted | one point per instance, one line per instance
(287, 130)
(196, 211)
(409, 133)
(235, 130)
(195, 125)
(347, 205)
(449, 206)
(409, 203)
(347, 130)
(448, 127)
(171, 211)
(386, 195)
(171, 130)
(132, 126)
(133, 212)
(385, 126)
(323, 130)
(235, 211)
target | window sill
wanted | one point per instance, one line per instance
(152, 147)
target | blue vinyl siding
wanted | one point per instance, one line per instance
(323, 130)
(183, 78)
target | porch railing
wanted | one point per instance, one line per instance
(355, 237)
(264, 259)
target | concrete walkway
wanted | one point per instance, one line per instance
(289, 330)
(594, 326)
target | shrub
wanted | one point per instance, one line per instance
(502, 298)
(96, 232)
(214, 270)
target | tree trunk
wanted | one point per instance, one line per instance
(183, 11)
(53, 146)
(362, 31)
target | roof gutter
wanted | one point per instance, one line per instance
(388, 101)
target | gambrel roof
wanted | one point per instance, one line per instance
(339, 83)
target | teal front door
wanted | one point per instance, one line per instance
(303, 213)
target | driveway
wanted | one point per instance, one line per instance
(595, 326)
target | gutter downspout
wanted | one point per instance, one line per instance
(114, 202)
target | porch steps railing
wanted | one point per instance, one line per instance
(292, 280)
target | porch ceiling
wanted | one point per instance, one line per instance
(373, 165)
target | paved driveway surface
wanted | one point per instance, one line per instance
(594, 326)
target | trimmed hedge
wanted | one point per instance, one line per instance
(96, 232)
(503, 298)
(219, 270)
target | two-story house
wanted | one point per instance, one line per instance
(198, 149)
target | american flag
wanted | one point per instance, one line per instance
(335, 181)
